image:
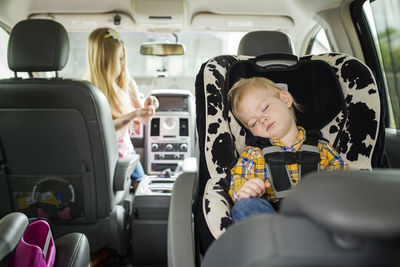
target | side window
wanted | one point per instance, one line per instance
(5, 72)
(383, 18)
(319, 43)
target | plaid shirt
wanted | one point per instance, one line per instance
(251, 164)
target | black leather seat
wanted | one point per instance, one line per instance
(57, 137)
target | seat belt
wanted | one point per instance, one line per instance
(307, 158)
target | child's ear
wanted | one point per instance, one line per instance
(286, 97)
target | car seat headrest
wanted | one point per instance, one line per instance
(264, 42)
(38, 45)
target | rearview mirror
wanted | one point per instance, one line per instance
(162, 49)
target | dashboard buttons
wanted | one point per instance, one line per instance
(154, 147)
(183, 147)
(169, 123)
(169, 147)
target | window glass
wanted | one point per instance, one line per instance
(5, 72)
(319, 44)
(155, 72)
(384, 19)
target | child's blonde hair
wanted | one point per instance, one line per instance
(240, 86)
(103, 46)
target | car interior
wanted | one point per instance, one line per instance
(67, 198)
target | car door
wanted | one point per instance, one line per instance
(379, 33)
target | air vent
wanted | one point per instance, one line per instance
(155, 127)
(184, 127)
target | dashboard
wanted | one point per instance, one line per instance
(170, 136)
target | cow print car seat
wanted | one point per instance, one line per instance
(340, 96)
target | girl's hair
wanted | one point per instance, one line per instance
(103, 46)
(239, 87)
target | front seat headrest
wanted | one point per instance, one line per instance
(265, 42)
(38, 45)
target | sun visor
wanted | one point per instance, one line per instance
(217, 22)
(88, 22)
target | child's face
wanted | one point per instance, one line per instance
(266, 113)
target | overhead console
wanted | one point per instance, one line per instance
(159, 15)
(170, 137)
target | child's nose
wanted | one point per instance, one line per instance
(264, 119)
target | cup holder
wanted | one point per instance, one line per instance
(154, 185)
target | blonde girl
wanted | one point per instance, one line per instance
(108, 71)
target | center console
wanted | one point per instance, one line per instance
(170, 137)
(150, 221)
(169, 141)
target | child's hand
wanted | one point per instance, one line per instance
(145, 113)
(152, 103)
(267, 184)
(253, 188)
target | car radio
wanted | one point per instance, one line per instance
(170, 135)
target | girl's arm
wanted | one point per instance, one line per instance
(124, 120)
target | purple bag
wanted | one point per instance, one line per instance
(36, 247)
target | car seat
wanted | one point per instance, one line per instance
(354, 125)
(354, 139)
(58, 147)
(70, 250)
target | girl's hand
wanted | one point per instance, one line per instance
(145, 113)
(152, 103)
(253, 188)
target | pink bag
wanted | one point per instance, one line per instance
(36, 247)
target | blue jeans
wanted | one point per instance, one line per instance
(138, 173)
(247, 207)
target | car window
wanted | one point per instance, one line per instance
(384, 22)
(156, 72)
(5, 72)
(319, 43)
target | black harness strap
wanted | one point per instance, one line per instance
(274, 160)
(307, 158)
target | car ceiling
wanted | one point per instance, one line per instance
(14, 11)
(295, 17)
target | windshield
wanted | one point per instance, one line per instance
(155, 72)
